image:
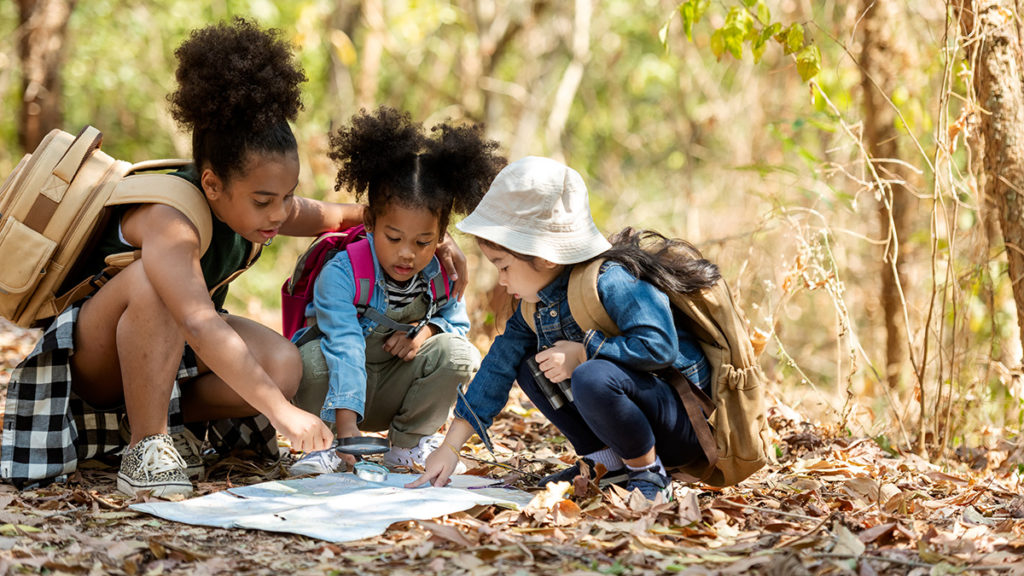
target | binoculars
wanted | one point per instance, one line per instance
(558, 394)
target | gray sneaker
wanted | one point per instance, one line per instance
(191, 451)
(154, 465)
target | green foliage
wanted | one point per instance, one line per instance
(750, 24)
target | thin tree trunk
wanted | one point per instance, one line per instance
(991, 41)
(880, 62)
(373, 51)
(341, 31)
(43, 26)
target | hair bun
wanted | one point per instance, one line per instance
(236, 75)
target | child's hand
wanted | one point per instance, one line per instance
(560, 360)
(438, 467)
(346, 427)
(454, 262)
(305, 431)
(401, 346)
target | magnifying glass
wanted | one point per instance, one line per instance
(360, 446)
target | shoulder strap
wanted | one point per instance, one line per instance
(254, 254)
(172, 191)
(154, 189)
(585, 302)
(362, 270)
(440, 287)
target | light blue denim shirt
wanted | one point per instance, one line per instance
(650, 340)
(345, 332)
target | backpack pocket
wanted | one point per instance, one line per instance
(23, 257)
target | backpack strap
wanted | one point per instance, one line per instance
(254, 254)
(529, 310)
(698, 407)
(360, 256)
(585, 302)
(165, 189)
(441, 284)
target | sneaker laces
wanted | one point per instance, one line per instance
(160, 457)
(186, 443)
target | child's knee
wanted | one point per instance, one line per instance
(590, 378)
(451, 354)
(285, 367)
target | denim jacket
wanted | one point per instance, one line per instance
(650, 340)
(345, 332)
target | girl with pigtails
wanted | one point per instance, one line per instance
(396, 363)
(148, 360)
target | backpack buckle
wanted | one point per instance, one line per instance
(416, 329)
(99, 279)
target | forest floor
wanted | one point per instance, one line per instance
(830, 505)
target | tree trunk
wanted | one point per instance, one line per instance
(43, 27)
(370, 59)
(880, 63)
(341, 30)
(992, 45)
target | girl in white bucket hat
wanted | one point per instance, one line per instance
(534, 225)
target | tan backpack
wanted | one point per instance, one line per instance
(54, 204)
(735, 442)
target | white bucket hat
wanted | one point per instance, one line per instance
(538, 207)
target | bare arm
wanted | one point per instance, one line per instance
(170, 258)
(312, 217)
(442, 462)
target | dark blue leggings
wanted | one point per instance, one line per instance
(625, 410)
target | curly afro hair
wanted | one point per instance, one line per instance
(385, 157)
(238, 87)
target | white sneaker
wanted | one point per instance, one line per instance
(319, 462)
(416, 456)
(153, 464)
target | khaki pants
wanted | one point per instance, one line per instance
(408, 399)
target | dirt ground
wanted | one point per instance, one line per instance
(830, 505)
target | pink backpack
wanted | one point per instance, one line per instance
(297, 291)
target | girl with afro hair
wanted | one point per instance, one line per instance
(111, 370)
(395, 361)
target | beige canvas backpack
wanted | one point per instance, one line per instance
(54, 204)
(734, 436)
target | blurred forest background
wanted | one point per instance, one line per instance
(844, 205)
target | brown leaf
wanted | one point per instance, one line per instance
(450, 533)
(565, 512)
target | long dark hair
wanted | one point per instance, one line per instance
(238, 87)
(670, 264)
(386, 157)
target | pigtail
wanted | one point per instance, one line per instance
(375, 150)
(670, 264)
(463, 162)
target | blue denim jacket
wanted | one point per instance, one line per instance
(650, 340)
(345, 332)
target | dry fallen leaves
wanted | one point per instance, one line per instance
(830, 506)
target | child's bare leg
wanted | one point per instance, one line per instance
(207, 397)
(128, 349)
